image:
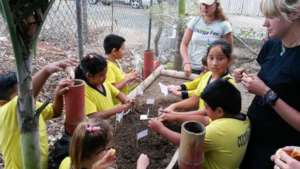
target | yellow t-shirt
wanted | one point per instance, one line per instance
(96, 101)
(203, 83)
(115, 75)
(10, 135)
(65, 164)
(225, 143)
(191, 86)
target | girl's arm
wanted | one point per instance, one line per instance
(60, 90)
(229, 38)
(108, 113)
(184, 51)
(123, 98)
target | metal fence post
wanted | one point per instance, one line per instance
(84, 21)
(79, 28)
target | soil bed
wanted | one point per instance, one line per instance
(159, 150)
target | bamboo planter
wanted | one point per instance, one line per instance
(74, 106)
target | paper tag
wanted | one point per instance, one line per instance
(119, 116)
(142, 134)
(150, 101)
(140, 92)
(144, 117)
(163, 89)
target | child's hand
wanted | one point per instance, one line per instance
(63, 86)
(125, 106)
(238, 74)
(166, 117)
(60, 65)
(106, 161)
(156, 125)
(174, 87)
(132, 76)
(142, 162)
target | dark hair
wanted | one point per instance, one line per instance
(225, 47)
(92, 63)
(112, 41)
(90, 137)
(204, 61)
(221, 93)
(8, 82)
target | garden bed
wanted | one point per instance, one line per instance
(159, 150)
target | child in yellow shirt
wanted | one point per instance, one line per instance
(99, 94)
(227, 134)
(89, 147)
(9, 129)
(114, 47)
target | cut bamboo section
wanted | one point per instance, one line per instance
(177, 74)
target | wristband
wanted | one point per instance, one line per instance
(270, 98)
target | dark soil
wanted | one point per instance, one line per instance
(159, 150)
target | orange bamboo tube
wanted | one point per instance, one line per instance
(148, 63)
(74, 106)
(191, 145)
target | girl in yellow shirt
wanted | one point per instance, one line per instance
(99, 94)
(89, 147)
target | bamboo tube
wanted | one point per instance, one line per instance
(177, 74)
(74, 105)
(146, 83)
(191, 145)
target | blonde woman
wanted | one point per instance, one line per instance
(275, 110)
(201, 31)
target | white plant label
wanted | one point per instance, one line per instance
(150, 101)
(142, 134)
(163, 89)
(144, 117)
(119, 116)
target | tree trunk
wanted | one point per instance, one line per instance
(25, 19)
(179, 30)
(160, 28)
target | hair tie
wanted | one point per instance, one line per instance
(92, 128)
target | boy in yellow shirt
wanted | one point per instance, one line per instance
(114, 47)
(9, 129)
(228, 132)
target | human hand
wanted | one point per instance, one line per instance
(143, 161)
(254, 85)
(156, 125)
(62, 87)
(238, 74)
(169, 109)
(283, 160)
(125, 107)
(132, 76)
(166, 117)
(60, 65)
(106, 161)
(175, 90)
(187, 68)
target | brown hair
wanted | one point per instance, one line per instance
(90, 136)
(219, 13)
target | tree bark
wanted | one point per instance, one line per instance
(179, 30)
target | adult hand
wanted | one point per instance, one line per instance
(283, 161)
(108, 160)
(255, 85)
(63, 86)
(187, 68)
(238, 74)
(143, 161)
(60, 65)
(156, 125)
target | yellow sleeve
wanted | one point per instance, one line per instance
(191, 85)
(114, 91)
(89, 107)
(191, 92)
(48, 112)
(65, 164)
(210, 138)
(110, 75)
